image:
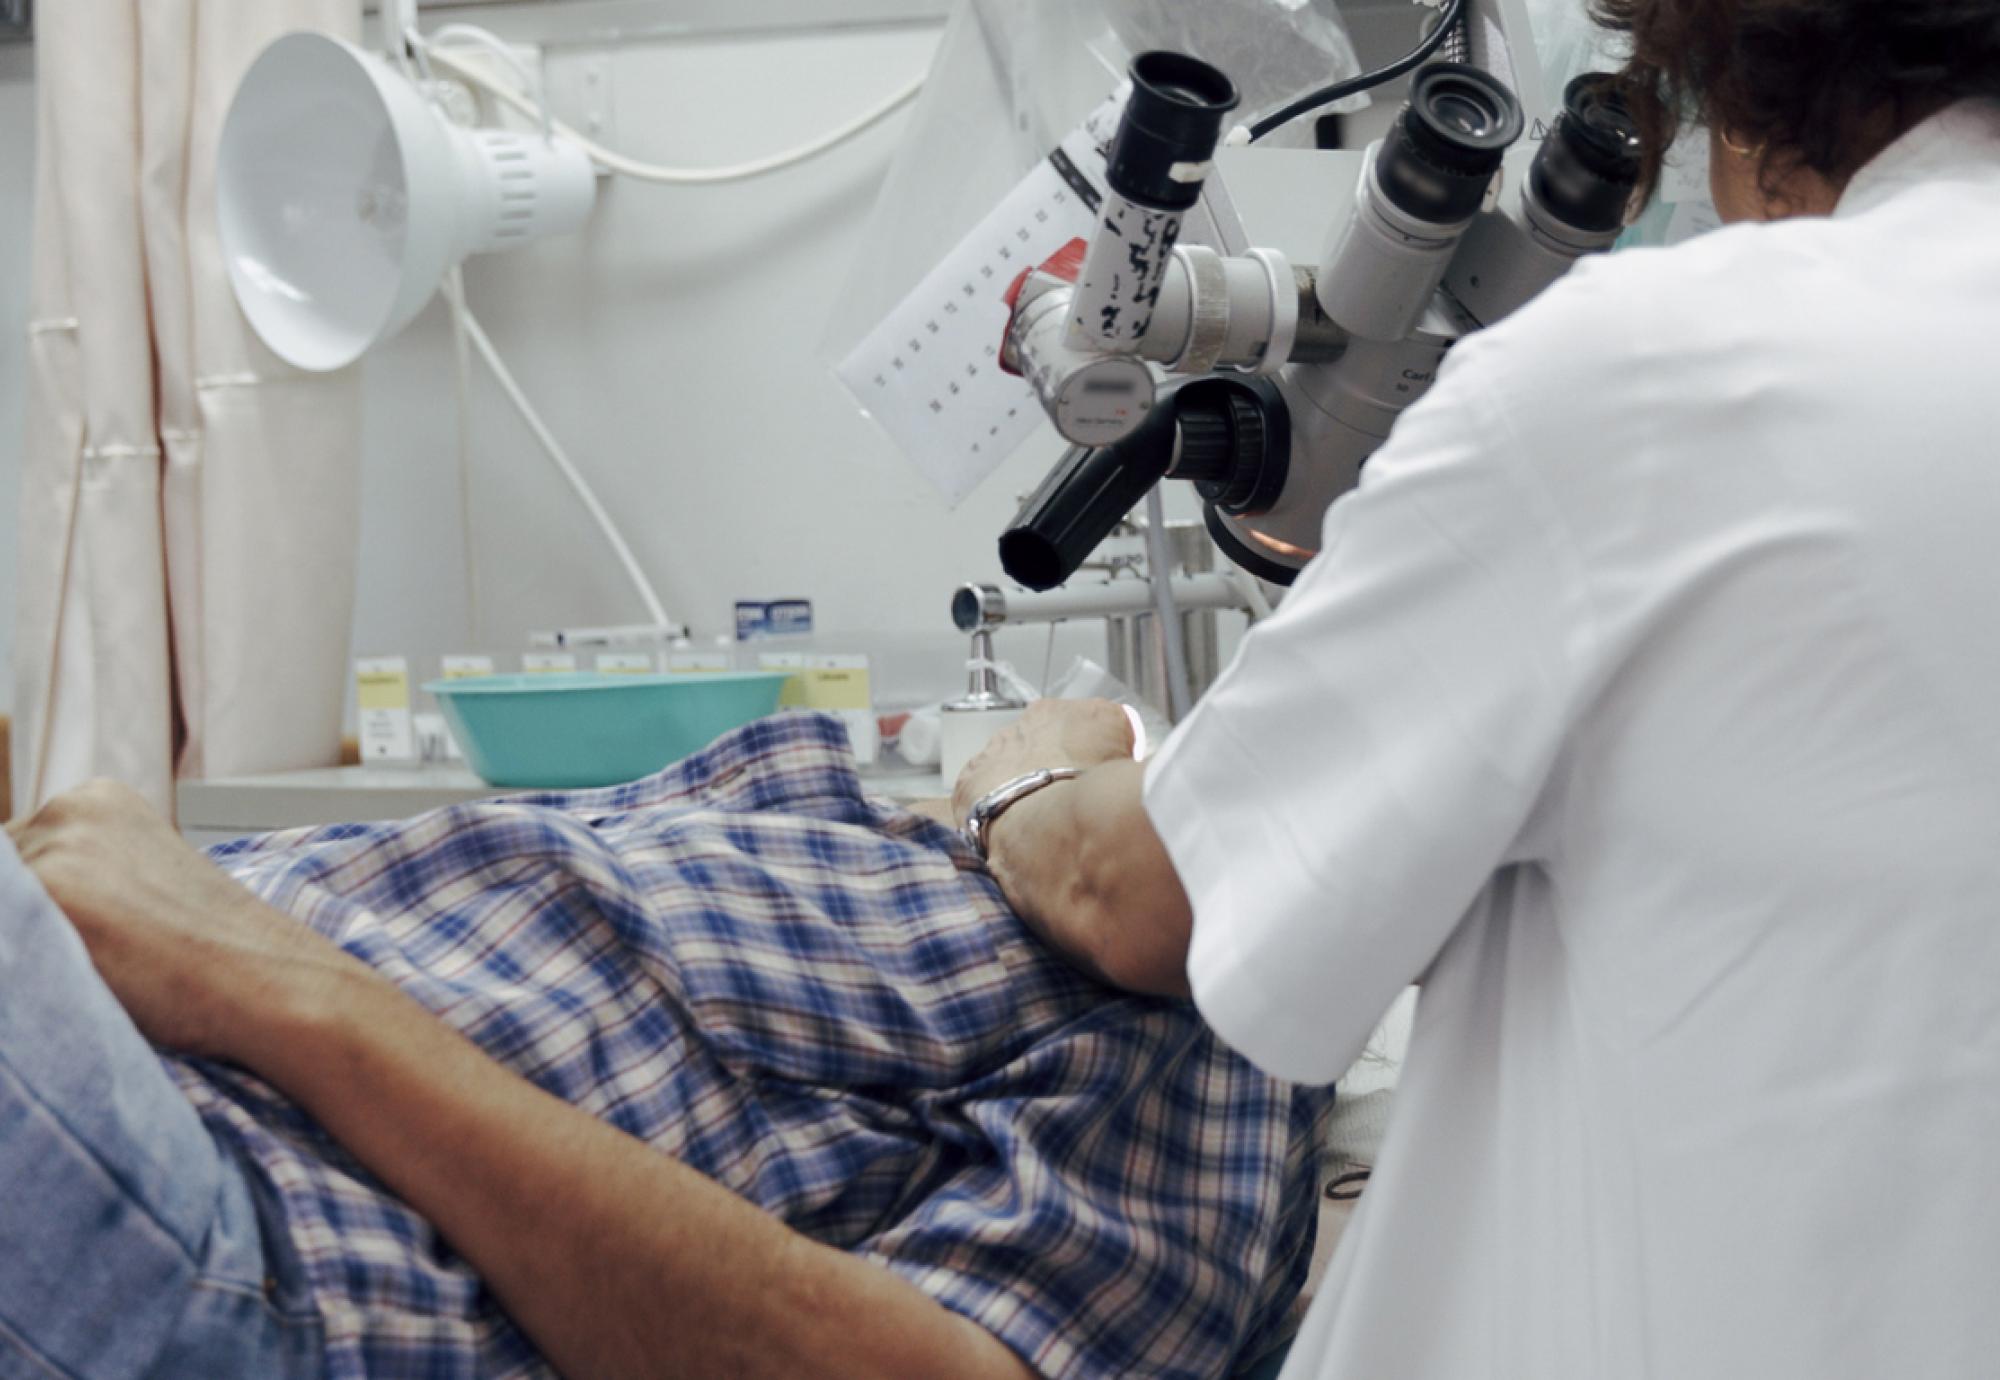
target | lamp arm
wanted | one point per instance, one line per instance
(399, 30)
(502, 375)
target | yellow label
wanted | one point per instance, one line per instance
(833, 687)
(821, 682)
(383, 684)
(698, 663)
(625, 663)
(543, 663)
(793, 696)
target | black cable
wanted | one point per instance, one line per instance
(1367, 81)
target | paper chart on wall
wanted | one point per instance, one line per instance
(930, 374)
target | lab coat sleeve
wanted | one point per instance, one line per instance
(1349, 787)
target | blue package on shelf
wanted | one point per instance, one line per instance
(775, 618)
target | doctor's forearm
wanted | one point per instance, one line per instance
(1082, 865)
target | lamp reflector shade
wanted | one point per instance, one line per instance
(344, 197)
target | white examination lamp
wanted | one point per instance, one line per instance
(345, 197)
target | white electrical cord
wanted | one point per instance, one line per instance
(1252, 593)
(417, 55)
(652, 172)
(454, 294)
(505, 378)
(505, 56)
(1160, 571)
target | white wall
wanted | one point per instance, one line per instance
(17, 180)
(674, 348)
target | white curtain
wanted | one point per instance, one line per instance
(189, 504)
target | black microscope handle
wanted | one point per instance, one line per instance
(1087, 495)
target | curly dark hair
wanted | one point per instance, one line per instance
(1815, 84)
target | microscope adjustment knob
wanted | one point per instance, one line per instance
(1238, 486)
(1234, 442)
(1207, 441)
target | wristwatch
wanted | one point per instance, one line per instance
(998, 801)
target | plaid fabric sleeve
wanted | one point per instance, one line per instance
(1142, 1204)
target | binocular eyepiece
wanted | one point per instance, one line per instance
(1588, 167)
(1449, 139)
(1420, 190)
(1447, 143)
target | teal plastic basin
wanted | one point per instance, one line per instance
(563, 730)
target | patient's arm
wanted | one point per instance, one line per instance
(1080, 861)
(616, 1260)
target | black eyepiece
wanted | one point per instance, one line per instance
(1178, 96)
(1174, 119)
(1446, 145)
(1587, 168)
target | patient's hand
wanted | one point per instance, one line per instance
(180, 943)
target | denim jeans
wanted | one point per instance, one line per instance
(132, 1245)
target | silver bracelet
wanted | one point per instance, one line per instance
(998, 801)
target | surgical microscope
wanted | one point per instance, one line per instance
(1267, 383)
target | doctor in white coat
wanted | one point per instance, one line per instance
(1644, 706)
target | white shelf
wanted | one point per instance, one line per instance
(217, 810)
(229, 807)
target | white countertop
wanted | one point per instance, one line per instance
(228, 807)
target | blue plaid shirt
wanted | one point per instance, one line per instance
(822, 1003)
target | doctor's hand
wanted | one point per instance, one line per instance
(1052, 733)
(185, 949)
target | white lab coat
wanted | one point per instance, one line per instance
(189, 505)
(1646, 706)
